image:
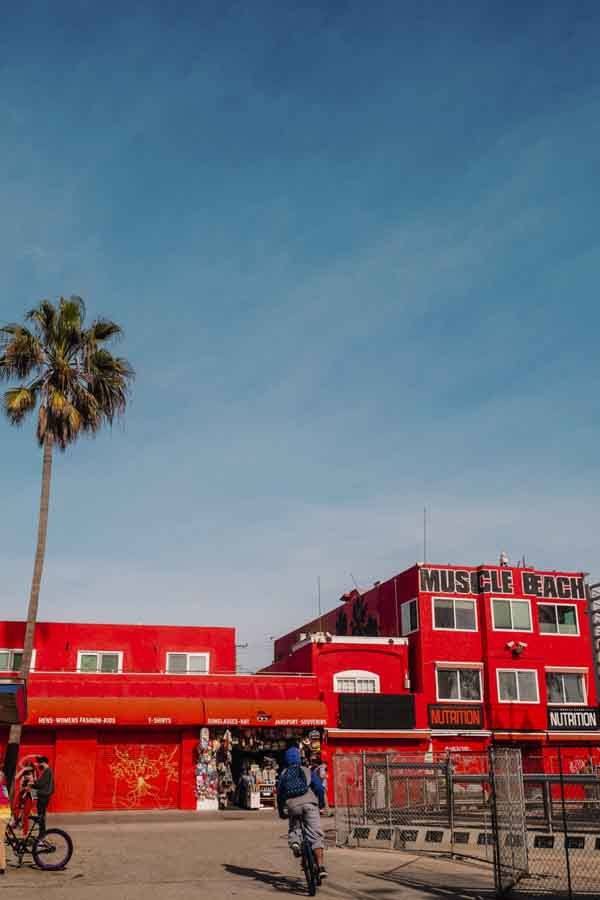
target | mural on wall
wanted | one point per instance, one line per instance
(144, 777)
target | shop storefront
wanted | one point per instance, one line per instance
(242, 746)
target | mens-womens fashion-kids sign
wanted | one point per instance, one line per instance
(501, 580)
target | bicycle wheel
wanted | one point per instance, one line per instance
(309, 865)
(53, 850)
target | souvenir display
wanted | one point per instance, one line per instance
(239, 766)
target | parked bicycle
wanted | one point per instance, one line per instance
(51, 850)
(308, 861)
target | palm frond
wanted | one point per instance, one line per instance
(71, 314)
(22, 352)
(103, 330)
(18, 402)
(44, 317)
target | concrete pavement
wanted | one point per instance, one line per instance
(178, 856)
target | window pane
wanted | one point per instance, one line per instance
(414, 618)
(109, 662)
(567, 619)
(443, 612)
(365, 686)
(177, 663)
(547, 617)
(521, 616)
(502, 617)
(405, 616)
(527, 687)
(508, 686)
(574, 691)
(198, 662)
(470, 688)
(447, 684)
(88, 662)
(554, 686)
(17, 659)
(465, 614)
(4, 660)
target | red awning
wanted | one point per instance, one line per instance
(105, 712)
(266, 713)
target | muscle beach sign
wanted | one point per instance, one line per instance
(500, 581)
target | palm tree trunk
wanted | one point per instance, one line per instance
(14, 739)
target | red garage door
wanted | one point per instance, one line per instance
(137, 770)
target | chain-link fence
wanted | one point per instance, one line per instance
(539, 828)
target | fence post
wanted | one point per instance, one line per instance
(547, 797)
(450, 793)
(388, 794)
(364, 771)
(565, 825)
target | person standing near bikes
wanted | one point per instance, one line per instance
(4, 818)
(44, 788)
(300, 794)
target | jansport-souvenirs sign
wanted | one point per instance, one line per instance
(568, 718)
(451, 716)
(500, 580)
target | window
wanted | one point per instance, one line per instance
(454, 613)
(11, 660)
(511, 615)
(356, 682)
(104, 661)
(566, 688)
(454, 683)
(187, 663)
(410, 617)
(557, 618)
(517, 686)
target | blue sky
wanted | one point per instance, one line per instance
(355, 251)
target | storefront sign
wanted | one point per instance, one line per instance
(452, 716)
(465, 581)
(560, 586)
(569, 718)
(500, 580)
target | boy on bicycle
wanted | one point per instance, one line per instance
(300, 793)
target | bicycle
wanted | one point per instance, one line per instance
(51, 850)
(308, 861)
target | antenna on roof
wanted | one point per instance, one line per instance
(319, 602)
(354, 582)
(424, 534)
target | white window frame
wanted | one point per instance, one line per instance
(558, 633)
(477, 667)
(99, 653)
(187, 654)
(454, 599)
(567, 670)
(512, 600)
(406, 605)
(12, 651)
(356, 675)
(516, 670)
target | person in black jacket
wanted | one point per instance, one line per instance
(44, 788)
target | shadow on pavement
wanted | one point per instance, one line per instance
(274, 879)
(452, 889)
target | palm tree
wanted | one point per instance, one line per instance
(65, 371)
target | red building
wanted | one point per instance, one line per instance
(434, 659)
(495, 653)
